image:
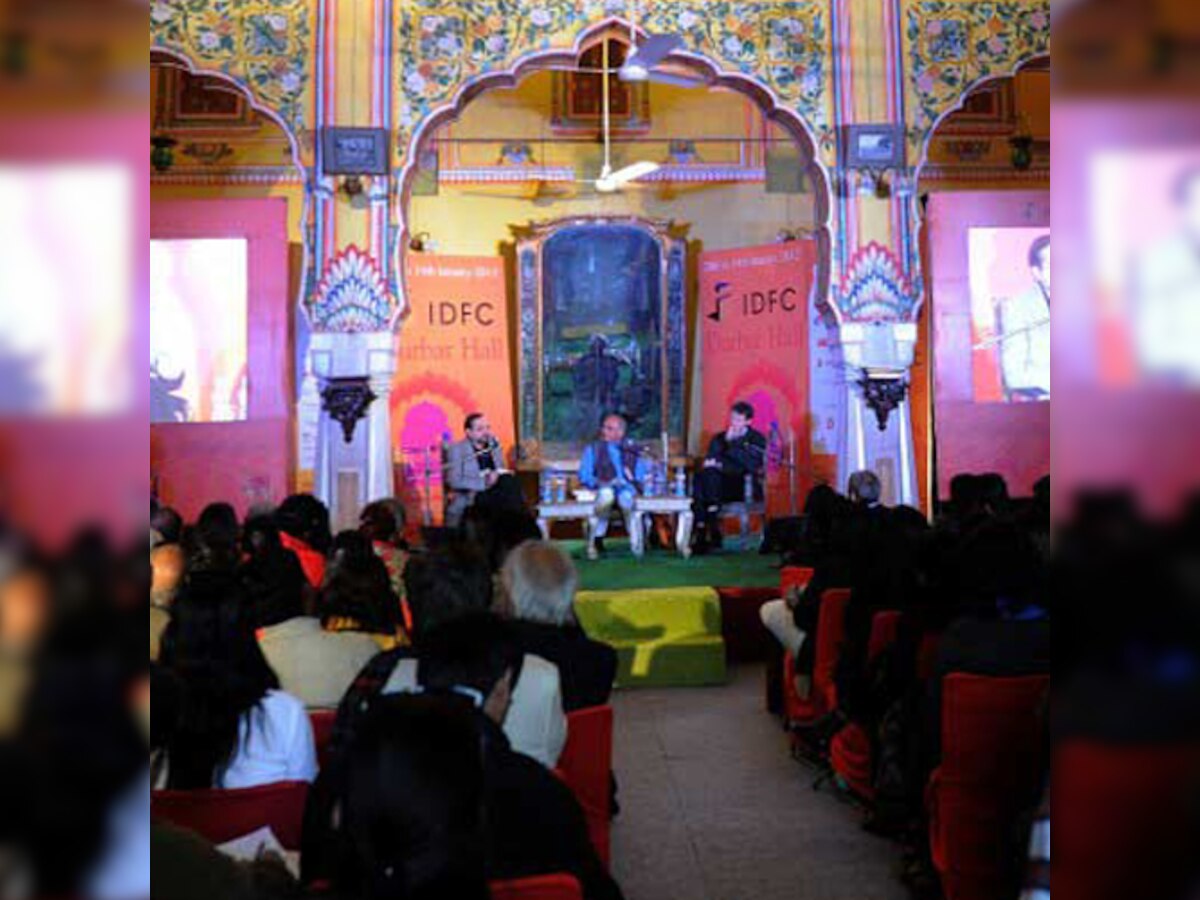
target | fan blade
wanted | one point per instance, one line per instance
(610, 181)
(683, 81)
(653, 51)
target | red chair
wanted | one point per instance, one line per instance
(794, 576)
(850, 750)
(992, 758)
(831, 628)
(1122, 817)
(322, 729)
(789, 576)
(222, 815)
(927, 656)
(586, 766)
(559, 886)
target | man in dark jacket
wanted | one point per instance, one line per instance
(734, 455)
(534, 824)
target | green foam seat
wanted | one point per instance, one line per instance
(663, 636)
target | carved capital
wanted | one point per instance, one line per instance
(882, 394)
(346, 400)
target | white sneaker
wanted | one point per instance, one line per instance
(592, 552)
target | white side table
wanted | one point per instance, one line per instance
(568, 511)
(681, 507)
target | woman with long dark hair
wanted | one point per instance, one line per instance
(411, 801)
(357, 594)
(235, 727)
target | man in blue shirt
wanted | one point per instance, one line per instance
(613, 467)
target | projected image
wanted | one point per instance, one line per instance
(65, 282)
(1146, 230)
(1010, 314)
(198, 330)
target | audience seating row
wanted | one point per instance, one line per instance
(585, 766)
(992, 742)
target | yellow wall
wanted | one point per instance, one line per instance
(475, 218)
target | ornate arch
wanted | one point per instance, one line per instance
(265, 50)
(923, 156)
(813, 136)
(953, 46)
(169, 56)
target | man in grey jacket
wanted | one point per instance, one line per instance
(473, 465)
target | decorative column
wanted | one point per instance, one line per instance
(350, 367)
(878, 355)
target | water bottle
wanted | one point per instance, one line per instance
(560, 492)
(680, 482)
(547, 487)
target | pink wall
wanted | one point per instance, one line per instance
(1137, 435)
(1012, 439)
(249, 461)
(58, 473)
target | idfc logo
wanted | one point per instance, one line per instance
(447, 313)
(753, 303)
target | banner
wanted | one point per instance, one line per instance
(754, 305)
(452, 359)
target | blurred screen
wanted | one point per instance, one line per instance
(1009, 272)
(198, 304)
(1145, 226)
(65, 282)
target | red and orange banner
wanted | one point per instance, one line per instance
(452, 359)
(753, 305)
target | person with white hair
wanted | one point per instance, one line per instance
(539, 582)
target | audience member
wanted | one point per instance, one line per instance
(450, 583)
(303, 523)
(79, 771)
(891, 581)
(212, 544)
(382, 523)
(357, 594)
(412, 817)
(167, 524)
(167, 569)
(539, 586)
(855, 533)
(312, 664)
(534, 824)
(25, 612)
(236, 728)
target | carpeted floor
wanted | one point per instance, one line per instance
(714, 808)
(619, 570)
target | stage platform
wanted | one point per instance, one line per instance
(675, 622)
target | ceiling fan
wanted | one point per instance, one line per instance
(608, 180)
(640, 64)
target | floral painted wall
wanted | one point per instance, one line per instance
(784, 44)
(394, 64)
(951, 45)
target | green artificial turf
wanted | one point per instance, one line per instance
(619, 570)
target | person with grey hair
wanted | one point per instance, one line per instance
(864, 488)
(539, 581)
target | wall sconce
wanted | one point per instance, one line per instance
(1022, 151)
(162, 152)
(516, 153)
(872, 183)
(353, 186)
(208, 154)
(883, 391)
(421, 242)
(682, 151)
(1022, 145)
